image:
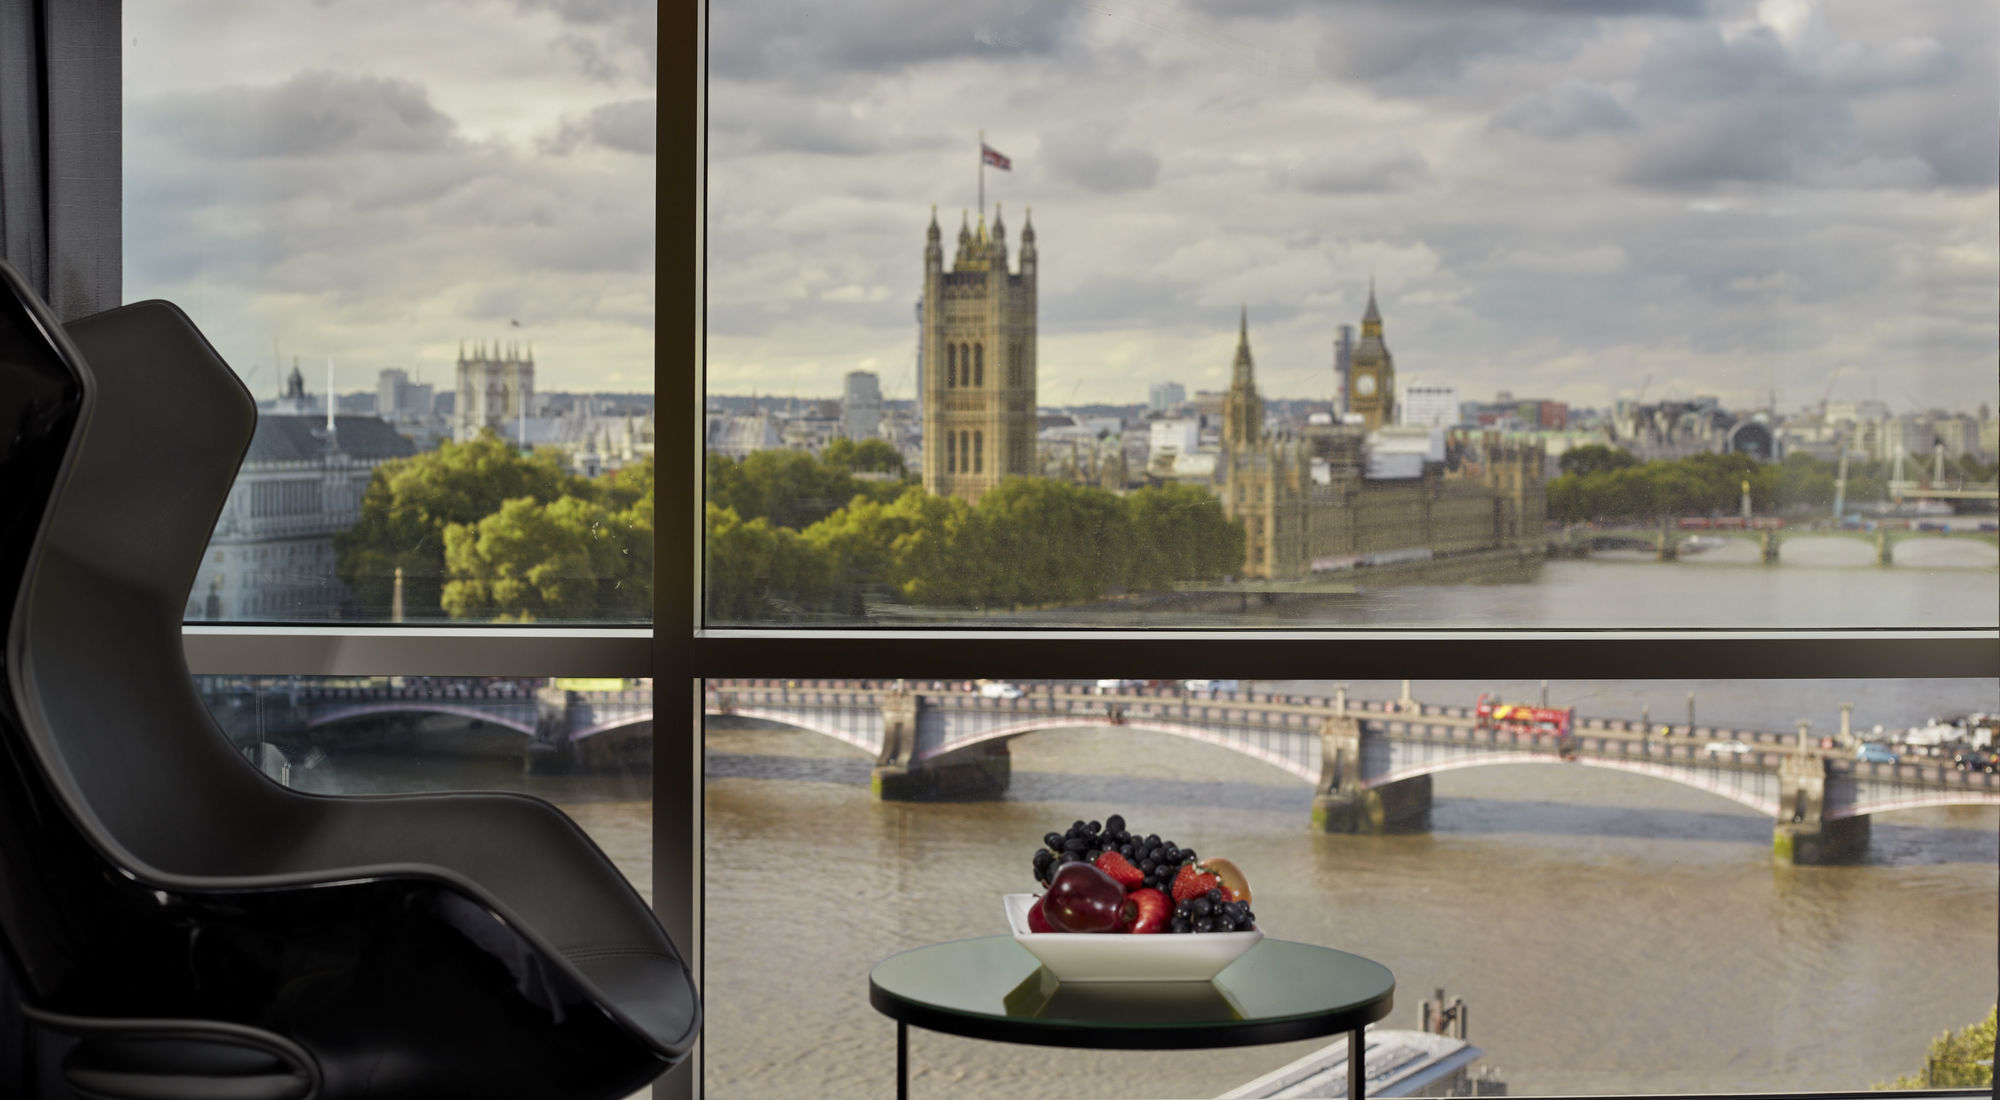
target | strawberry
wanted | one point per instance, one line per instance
(1036, 921)
(1193, 881)
(1146, 910)
(1120, 868)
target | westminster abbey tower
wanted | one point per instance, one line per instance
(978, 360)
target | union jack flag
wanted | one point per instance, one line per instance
(992, 156)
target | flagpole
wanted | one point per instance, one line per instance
(982, 175)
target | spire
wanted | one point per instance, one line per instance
(964, 228)
(1373, 315)
(982, 227)
(999, 228)
(1028, 228)
(461, 351)
(931, 234)
(1244, 368)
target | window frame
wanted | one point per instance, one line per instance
(677, 651)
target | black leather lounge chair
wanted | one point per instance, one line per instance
(204, 932)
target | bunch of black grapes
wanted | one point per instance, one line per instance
(1159, 860)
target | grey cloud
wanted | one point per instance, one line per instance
(1417, 49)
(1565, 111)
(1088, 155)
(631, 127)
(777, 122)
(1763, 140)
(312, 114)
(789, 39)
(1362, 171)
(603, 30)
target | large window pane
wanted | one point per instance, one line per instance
(1640, 315)
(1619, 916)
(422, 234)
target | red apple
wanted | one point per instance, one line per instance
(1145, 911)
(1036, 921)
(1082, 898)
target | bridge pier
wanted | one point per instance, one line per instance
(1885, 552)
(1668, 550)
(979, 771)
(1342, 804)
(1804, 836)
(1767, 545)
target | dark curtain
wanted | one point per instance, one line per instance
(60, 179)
(60, 161)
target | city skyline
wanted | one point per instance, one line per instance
(1725, 197)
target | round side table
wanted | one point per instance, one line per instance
(991, 988)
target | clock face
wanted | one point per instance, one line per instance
(1364, 384)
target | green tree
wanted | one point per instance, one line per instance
(529, 561)
(1180, 533)
(756, 571)
(870, 455)
(411, 501)
(1956, 1058)
(1593, 458)
(787, 488)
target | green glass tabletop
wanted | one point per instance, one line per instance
(993, 989)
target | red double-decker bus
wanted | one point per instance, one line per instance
(1522, 718)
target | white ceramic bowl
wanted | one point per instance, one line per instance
(1111, 957)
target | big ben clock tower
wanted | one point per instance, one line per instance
(1371, 381)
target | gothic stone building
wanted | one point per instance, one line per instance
(1306, 504)
(978, 361)
(496, 389)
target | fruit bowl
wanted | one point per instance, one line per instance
(1121, 957)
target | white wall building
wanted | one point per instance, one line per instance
(861, 406)
(271, 556)
(1427, 404)
(1165, 396)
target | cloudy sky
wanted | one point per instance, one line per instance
(377, 180)
(1555, 198)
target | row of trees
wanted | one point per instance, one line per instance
(1603, 483)
(1028, 542)
(483, 532)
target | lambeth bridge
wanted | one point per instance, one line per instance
(1669, 542)
(1370, 764)
(553, 726)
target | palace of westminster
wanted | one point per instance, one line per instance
(1303, 497)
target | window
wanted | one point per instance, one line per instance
(371, 224)
(978, 452)
(979, 364)
(1404, 594)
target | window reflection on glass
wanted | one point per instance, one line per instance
(1575, 862)
(1649, 315)
(422, 235)
(584, 744)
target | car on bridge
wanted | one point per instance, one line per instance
(1733, 747)
(1975, 760)
(1874, 752)
(998, 689)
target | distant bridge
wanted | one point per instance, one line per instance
(1666, 542)
(1370, 763)
(559, 727)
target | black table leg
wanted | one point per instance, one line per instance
(1357, 1070)
(902, 1061)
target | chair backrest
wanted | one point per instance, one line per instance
(96, 660)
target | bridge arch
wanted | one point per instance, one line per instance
(1685, 776)
(1047, 723)
(324, 715)
(1919, 802)
(791, 721)
(610, 726)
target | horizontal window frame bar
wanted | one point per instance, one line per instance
(418, 651)
(1376, 655)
